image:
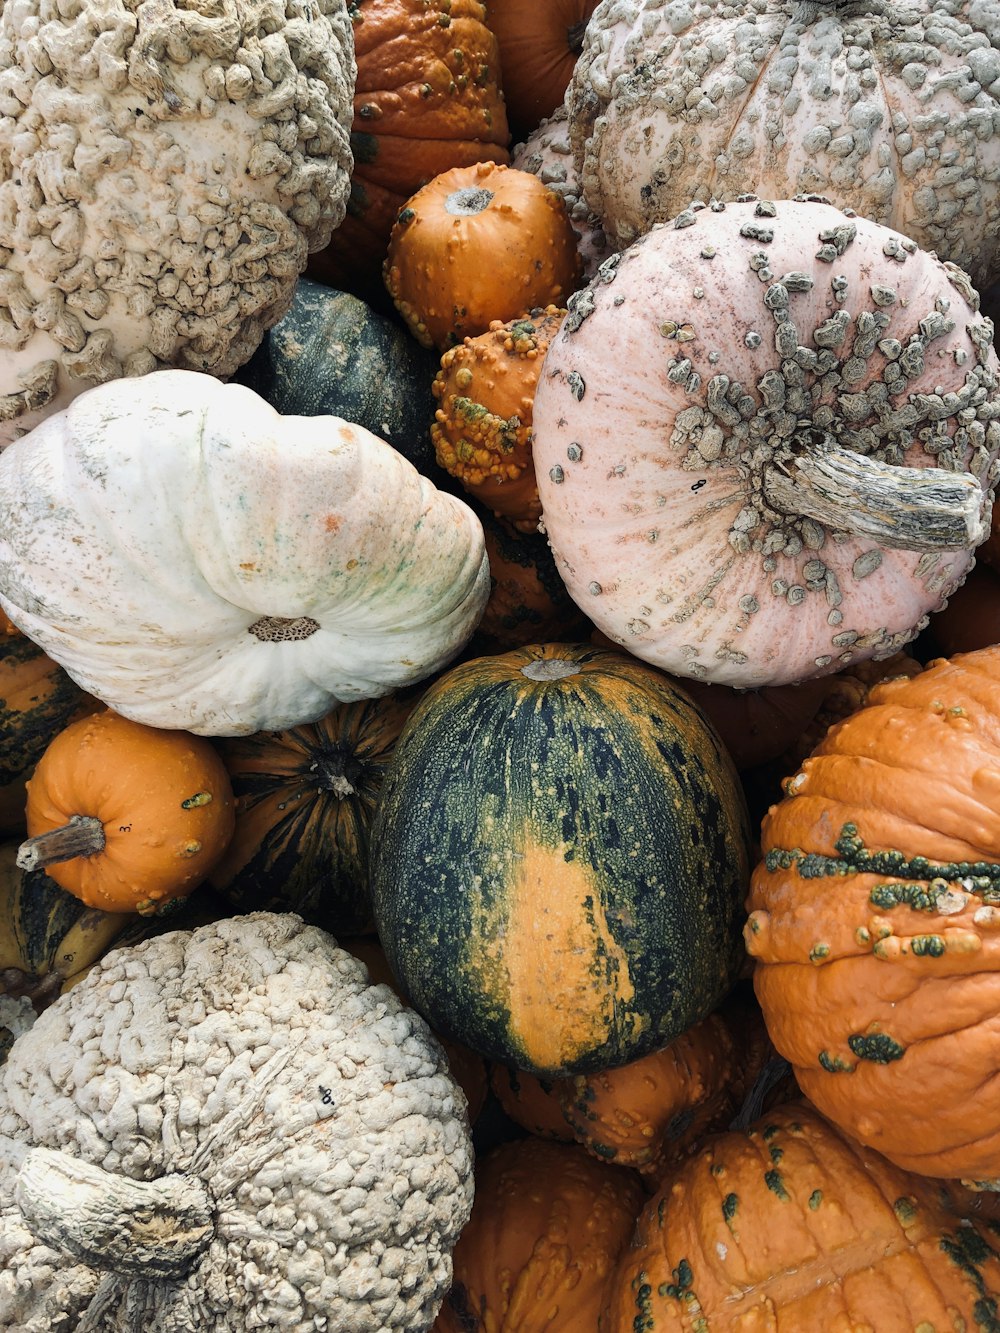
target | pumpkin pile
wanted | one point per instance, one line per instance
(499, 659)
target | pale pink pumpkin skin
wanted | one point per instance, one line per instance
(650, 463)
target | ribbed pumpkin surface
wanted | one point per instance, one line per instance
(37, 699)
(559, 859)
(304, 803)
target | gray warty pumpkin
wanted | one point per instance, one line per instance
(229, 1129)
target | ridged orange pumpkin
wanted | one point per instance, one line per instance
(304, 803)
(37, 699)
(477, 244)
(875, 920)
(427, 98)
(791, 1225)
(547, 1226)
(481, 430)
(125, 816)
(539, 44)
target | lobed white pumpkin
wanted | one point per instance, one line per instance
(197, 561)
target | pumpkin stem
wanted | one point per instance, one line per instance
(81, 835)
(338, 771)
(906, 508)
(468, 201)
(146, 1228)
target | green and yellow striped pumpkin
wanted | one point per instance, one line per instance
(304, 803)
(559, 859)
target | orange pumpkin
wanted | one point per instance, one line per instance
(427, 98)
(547, 1225)
(533, 1102)
(482, 427)
(539, 44)
(476, 244)
(875, 920)
(793, 1226)
(125, 816)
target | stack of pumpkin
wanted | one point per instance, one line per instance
(552, 572)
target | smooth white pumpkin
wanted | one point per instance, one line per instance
(202, 562)
(765, 441)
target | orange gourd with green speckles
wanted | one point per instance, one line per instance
(482, 426)
(125, 816)
(547, 1225)
(477, 244)
(793, 1226)
(875, 920)
(427, 98)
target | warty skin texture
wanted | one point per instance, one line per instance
(254, 1058)
(890, 109)
(165, 169)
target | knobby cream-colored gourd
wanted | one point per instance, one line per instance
(891, 109)
(765, 441)
(165, 168)
(197, 561)
(229, 1128)
(127, 817)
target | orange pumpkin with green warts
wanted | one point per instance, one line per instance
(481, 430)
(127, 817)
(875, 920)
(548, 1223)
(478, 244)
(559, 858)
(791, 1225)
(427, 98)
(304, 803)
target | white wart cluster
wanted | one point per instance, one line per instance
(165, 168)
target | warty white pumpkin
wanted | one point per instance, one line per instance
(205, 563)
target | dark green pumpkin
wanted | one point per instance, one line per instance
(559, 859)
(333, 355)
(304, 803)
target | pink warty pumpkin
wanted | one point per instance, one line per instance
(765, 441)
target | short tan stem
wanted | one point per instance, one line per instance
(81, 835)
(906, 508)
(146, 1228)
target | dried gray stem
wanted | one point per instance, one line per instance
(905, 508)
(81, 835)
(146, 1228)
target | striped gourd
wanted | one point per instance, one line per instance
(559, 859)
(304, 802)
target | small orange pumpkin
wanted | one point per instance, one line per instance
(547, 1226)
(477, 244)
(482, 427)
(125, 816)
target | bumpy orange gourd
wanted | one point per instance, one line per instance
(427, 98)
(125, 816)
(482, 427)
(651, 1112)
(546, 1228)
(875, 920)
(476, 244)
(793, 1226)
